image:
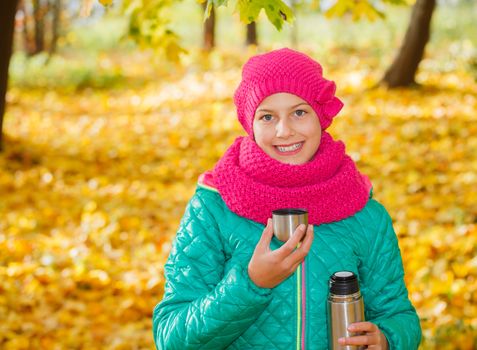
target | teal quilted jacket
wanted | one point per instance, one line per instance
(211, 303)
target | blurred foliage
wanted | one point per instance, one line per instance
(150, 20)
(149, 26)
(370, 10)
(45, 72)
(94, 49)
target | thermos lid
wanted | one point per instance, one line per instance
(344, 283)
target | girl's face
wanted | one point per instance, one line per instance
(287, 128)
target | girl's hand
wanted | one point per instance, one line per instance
(267, 268)
(373, 338)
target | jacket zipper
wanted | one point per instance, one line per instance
(298, 306)
(301, 307)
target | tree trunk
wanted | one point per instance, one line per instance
(209, 29)
(403, 70)
(39, 18)
(27, 43)
(55, 25)
(8, 9)
(251, 34)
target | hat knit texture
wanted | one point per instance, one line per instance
(289, 71)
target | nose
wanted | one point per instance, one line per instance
(284, 129)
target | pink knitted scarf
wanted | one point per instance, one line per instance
(252, 184)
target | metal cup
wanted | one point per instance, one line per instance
(285, 222)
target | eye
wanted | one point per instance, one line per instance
(300, 113)
(266, 117)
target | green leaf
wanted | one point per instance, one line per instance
(279, 14)
(149, 26)
(248, 10)
(277, 11)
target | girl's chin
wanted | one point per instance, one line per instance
(292, 160)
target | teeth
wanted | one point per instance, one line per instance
(289, 148)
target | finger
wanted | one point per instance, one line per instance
(295, 266)
(359, 340)
(299, 254)
(267, 235)
(291, 244)
(362, 327)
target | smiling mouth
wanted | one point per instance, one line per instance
(290, 148)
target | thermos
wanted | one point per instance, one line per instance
(285, 222)
(345, 306)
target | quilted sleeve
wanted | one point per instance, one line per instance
(382, 283)
(203, 307)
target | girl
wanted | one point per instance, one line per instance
(230, 284)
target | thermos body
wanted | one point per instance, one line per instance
(342, 312)
(345, 306)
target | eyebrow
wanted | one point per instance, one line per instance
(292, 107)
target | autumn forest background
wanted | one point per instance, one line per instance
(113, 109)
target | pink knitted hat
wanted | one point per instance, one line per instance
(285, 70)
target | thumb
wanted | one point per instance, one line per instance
(267, 234)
